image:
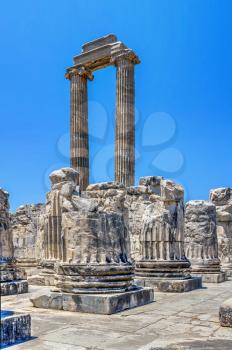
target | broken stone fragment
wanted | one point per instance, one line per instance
(64, 175)
(225, 313)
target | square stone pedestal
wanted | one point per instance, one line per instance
(169, 285)
(13, 287)
(106, 304)
(15, 327)
(211, 277)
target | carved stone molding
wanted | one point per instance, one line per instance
(81, 71)
(126, 56)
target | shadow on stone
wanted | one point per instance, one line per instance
(215, 344)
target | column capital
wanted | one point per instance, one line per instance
(81, 71)
(124, 56)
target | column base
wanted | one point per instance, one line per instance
(94, 278)
(15, 328)
(105, 304)
(169, 285)
(169, 276)
(225, 313)
(209, 270)
(14, 287)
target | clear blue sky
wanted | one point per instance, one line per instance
(183, 90)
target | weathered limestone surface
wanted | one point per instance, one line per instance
(27, 240)
(201, 245)
(63, 186)
(155, 212)
(137, 200)
(6, 244)
(94, 245)
(105, 304)
(222, 198)
(225, 313)
(88, 242)
(12, 279)
(174, 321)
(15, 328)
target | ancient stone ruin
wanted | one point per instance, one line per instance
(201, 244)
(149, 218)
(100, 53)
(64, 183)
(87, 244)
(27, 240)
(161, 262)
(12, 279)
(222, 198)
(106, 247)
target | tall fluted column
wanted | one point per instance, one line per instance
(79, 122)
(125, 128)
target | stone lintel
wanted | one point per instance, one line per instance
(105, 304)
(108, 39)
(100, 56)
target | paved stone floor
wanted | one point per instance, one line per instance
(175, 321)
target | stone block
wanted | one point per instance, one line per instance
(108, 39)
(170, 191)
(15, 328)
(105, 186)
(64, 175)
(106, 304)
(27, 236)
(221, 196)
(225, 313)
(211, 277)
(170, 285)
(42, 280)
(14, 287)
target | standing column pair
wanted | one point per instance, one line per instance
(125, 128)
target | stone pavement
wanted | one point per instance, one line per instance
(175, 321)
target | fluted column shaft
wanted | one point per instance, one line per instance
(79, 124)
(125, 129)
